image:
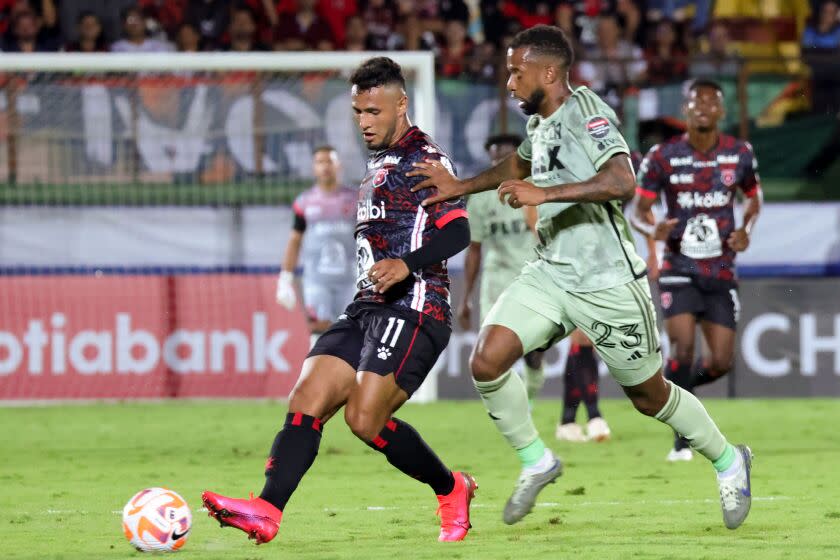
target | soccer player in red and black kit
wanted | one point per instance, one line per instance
(699, 173)
(380, 350)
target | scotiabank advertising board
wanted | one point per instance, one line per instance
(66, 337)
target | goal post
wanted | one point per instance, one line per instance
(144, 207)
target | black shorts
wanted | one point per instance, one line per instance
(386, 339)
(706, 299)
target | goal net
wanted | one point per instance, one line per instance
(145, 208)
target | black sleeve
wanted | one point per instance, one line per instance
(299, 224)
(447, 242)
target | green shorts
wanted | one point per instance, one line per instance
(620, 321)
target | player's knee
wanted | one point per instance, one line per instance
(683, 353)
(648, 398)
(483, 367)
(364, 425)
(534, 360)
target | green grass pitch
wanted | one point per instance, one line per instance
(66, 472)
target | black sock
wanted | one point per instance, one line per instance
(702, 375)
(292, 453)
(589, 380)
(680, 374)
(406, 450)
(572, 393)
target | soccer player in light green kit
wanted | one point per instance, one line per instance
(506, 237)
(588, 274)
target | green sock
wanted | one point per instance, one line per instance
(531, 455)
(506, 401)
(534, 381)
(726, 459)
(687, 416)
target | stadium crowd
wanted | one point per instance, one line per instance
(619, 43)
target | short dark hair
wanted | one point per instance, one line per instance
(128, 10)
(512, 139)
(377, 71)
(547, 40)
(323, 148)
(705, 82)
(86, 14)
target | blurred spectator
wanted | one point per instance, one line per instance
(304, 30)
(163, 17)
(667, 61)
(416, 22)
(210, 18)
(680, 10)
(451, 60)
(27, 35)
(188, 38)
(335, 12)
(821, 50)
(824, 31)
(380, 16)
(720, 59)
(134, 28)
(90, 35)
(614, 64)
(242, 32)
(630, 18)
(529, 12)
(109, 13)
(356, 34)
(482, 66)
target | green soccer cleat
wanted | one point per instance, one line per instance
(735, 491)
(524, 496)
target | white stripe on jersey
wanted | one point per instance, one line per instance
(419, 299)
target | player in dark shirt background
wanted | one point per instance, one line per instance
(381, 349)
(698, 174)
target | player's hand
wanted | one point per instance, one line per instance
(386, 273)
(465, 314)
(437, 175)
(285, 294)
(738, 240)
(663, 229)
(518, 193)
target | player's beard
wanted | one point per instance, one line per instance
(532, 104)
(387, 138)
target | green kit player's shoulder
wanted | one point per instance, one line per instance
(594, 126)
(585, 104)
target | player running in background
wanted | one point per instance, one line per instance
(381, 349)
(587, 276)
(506, 236)
(322, 232)
(699, 173)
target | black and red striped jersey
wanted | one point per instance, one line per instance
(699, 190)
(390, 223)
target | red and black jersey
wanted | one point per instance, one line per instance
(699, 190)
(390, 223)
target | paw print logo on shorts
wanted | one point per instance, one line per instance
(383, 352)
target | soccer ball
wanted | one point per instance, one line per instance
(157, 519)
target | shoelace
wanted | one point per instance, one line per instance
(729, 497)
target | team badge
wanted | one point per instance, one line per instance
(666, 299)
(727, 177)
(380, 177)
(598, 128)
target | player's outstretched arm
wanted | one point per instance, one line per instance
(449, 187)
(614, 181)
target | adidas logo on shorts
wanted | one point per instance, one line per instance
(635, 355)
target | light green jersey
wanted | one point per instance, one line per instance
(589, 244)
(506, 241)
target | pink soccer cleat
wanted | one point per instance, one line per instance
(454, 508)
(255, 516)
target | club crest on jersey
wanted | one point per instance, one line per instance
(598, 127)
(380, 177)
(727, 177)
(666, 299)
